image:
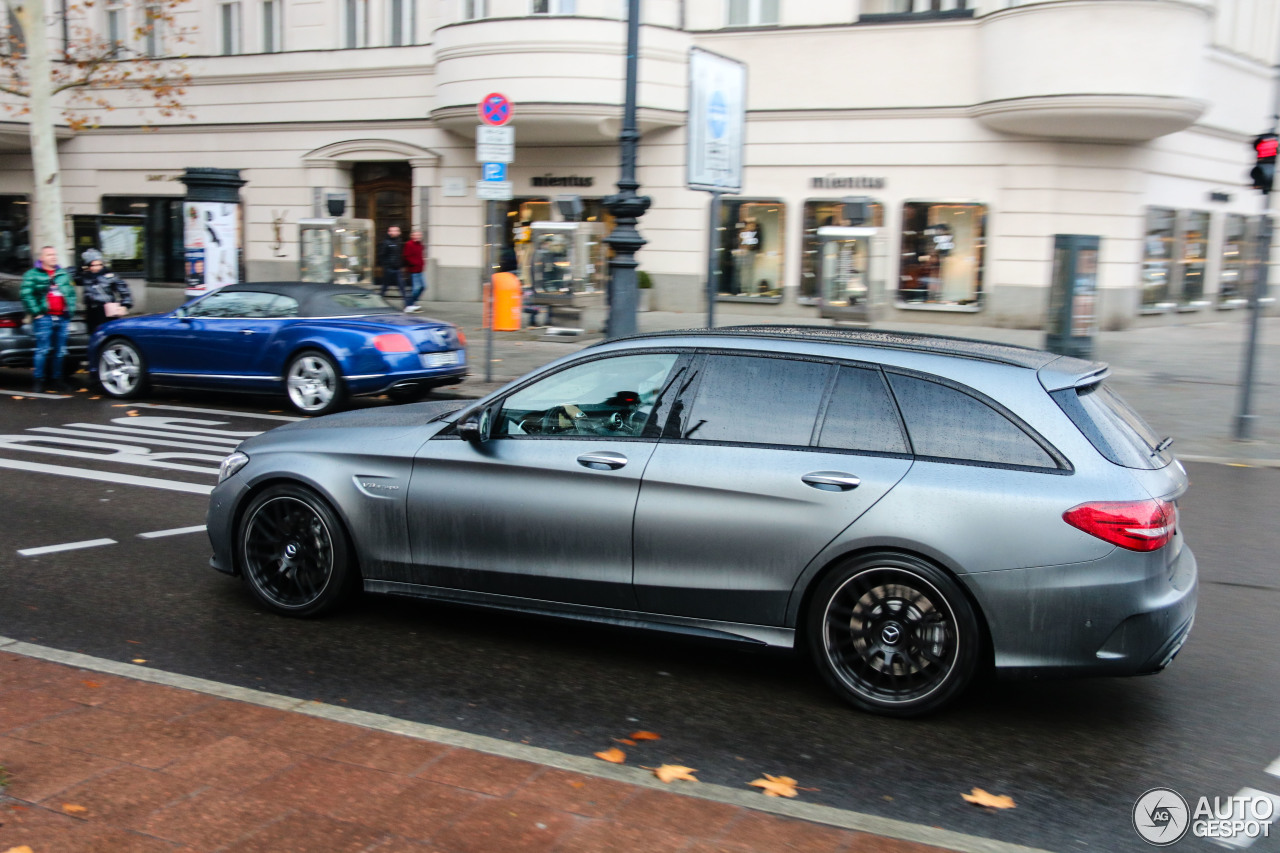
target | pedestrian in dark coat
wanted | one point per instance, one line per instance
(391, 257)
(106, 295)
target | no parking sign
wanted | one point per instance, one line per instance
(495, 109)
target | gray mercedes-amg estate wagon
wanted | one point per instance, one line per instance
(907, 508)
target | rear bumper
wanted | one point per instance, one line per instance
(18, 349)
(1127, 614)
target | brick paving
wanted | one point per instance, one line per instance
(98, 763)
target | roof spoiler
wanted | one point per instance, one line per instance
(1068, 372)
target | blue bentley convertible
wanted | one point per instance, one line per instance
(317, 343)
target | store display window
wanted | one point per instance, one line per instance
(816, 254)
(1231, 280)
(943, 254)
(749, 249)
(1193, 256)
(1157, 257)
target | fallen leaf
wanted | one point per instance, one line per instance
(613, 755)
(95, 398)
(71, 808)
(625, 740)
(16, 397)
(668, 773)
(135, 642)
(139, 660)
(577, 784)
(776, 786)
(23, 849)
(91, 684)
(645, 736)
(133, 413)
(83, 390)
(980, 797)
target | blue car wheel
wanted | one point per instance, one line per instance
(314, 383)
(122, 372)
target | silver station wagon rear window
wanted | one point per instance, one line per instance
(1116, 430)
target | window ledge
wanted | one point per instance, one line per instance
(1197, 305)
(767, 300)
(1158, 308)
(937, 306)
(1232, 303)
(913, 17)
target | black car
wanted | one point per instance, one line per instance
(18, 342)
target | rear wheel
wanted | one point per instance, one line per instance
(893, 635)
(122, 372)
(294, 552)
(314, 383)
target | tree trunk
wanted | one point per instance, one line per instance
(48, 229)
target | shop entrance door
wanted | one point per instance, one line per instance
(383, 193)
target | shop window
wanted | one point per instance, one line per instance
(117, 26)
(555, 7)
(15, 248)
(752, 13)
(272, 26)
(1157, 258)
(402, 22)
(474, 9)
(749, 249)
(1192, 258)
(229, 17)
(821, 261)
(355, 23)
(943, 254)
(1234, 258)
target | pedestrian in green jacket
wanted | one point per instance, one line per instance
(50, 299)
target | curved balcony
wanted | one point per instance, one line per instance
(565, 76)
(1094, 69)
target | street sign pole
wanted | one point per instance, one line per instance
(495, 148)
(491, 264)
(1245, 416)
(712, 228)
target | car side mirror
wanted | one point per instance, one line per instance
(475, 424)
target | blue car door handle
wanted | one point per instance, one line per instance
(831, 481)
(605, 460)
(247, 332)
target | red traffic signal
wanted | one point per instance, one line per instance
(1264, 168)
(1265, 146)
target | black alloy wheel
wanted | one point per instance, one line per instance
(893, 635)
(294, 552)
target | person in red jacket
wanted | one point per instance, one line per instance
(414, 262)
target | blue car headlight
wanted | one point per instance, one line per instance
(231, 465)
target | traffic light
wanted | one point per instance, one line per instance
(1264, 170)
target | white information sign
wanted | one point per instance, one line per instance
(493, 190)
(717, 119)
(495, 144)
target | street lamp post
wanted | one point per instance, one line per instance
(625, 205)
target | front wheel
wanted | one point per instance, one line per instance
(893, 635)
(122, 372)
(314, 383)
(294, 552)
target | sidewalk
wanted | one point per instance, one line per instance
(99, 762)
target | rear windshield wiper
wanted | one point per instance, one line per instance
(1165, 444)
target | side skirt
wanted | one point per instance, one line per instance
(753, 634)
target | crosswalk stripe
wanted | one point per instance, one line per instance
(120, 439)
(216, 412)
(176, 531)
(41, 395)
(230, 441)
(107, 476)
(67, 546)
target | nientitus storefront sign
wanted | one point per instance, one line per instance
(834, 182)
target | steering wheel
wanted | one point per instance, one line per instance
(561, 419)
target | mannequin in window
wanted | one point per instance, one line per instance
(749, 240)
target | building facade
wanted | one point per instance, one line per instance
(975, 129)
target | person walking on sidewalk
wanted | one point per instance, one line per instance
(50, 299)
(415, 259)
(391, 257)
(106, 296)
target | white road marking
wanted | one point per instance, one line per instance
(216, 412)
(1274, 769)
(39, 394)
(177, 531)
(186, 425)
(829, 815)
(66, 546)
(107, 477)
(125, 454)
(118, 438)
(229, 440)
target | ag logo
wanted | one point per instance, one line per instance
(1161, 817)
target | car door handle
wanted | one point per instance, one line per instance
(831, 481)
(247, 332)
(605, 460)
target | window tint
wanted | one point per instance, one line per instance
(1115, 430)
(239, 303)
(861, 415)
(757, 400)
(357, 302)
(607, 396)
(950, 424)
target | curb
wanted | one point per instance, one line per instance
(827, 815)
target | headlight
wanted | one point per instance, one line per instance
(231, 465)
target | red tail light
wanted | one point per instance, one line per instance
(9, 323)
(1135, 525)
(392, 343)
(462, 338)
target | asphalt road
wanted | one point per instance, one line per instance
(1074, 755)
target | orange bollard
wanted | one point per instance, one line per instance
(507, 298)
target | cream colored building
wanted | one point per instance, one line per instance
(979, 129)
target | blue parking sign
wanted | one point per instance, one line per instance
(494, 171)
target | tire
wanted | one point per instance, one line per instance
(314, 383)
(893, 635)
(294, 554)
(122, 371)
